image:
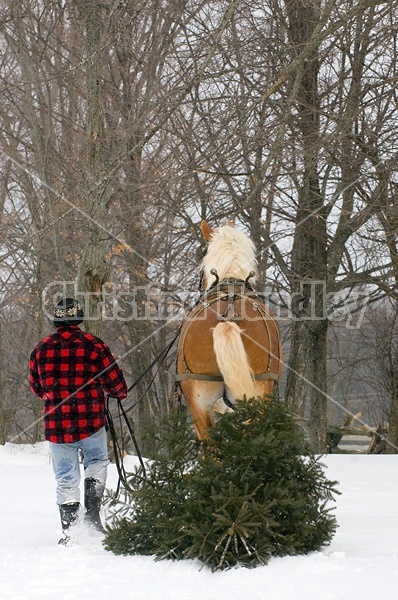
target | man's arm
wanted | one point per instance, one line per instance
(111, 377)
(34, 379)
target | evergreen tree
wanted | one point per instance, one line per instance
(254, 491)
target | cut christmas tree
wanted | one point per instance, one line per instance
(253, 490)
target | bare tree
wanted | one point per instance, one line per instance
(93, 271)
(278, 141)
(125, 124)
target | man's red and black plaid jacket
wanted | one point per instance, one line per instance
(70, 370)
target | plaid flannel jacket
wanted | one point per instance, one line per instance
(70, 370)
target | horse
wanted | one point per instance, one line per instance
(229, 346)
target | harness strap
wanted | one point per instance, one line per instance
(211, 296)
(204, 377)
(225, 285)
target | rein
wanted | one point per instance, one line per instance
(119, 449)
(159, 358)
(122, 416)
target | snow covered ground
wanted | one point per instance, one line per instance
(360, 564)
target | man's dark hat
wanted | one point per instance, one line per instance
(68, 311)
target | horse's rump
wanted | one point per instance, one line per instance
(259, 335)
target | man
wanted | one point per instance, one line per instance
(70, 370)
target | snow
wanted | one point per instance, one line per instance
(360, 564)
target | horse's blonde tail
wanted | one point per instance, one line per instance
(232, 360)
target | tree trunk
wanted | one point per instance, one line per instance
(92, 268)
(390, 376)
(307, 366)
(2, 413)
(392, 446)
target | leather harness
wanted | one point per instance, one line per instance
(230, 290)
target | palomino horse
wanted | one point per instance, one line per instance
(229, 346)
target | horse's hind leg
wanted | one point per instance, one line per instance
(201, 397)
(223, 405)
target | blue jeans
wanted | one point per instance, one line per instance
(65, 460)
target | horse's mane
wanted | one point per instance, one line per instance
(231, 253)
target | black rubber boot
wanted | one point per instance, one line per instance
(93, 492)
(69, 514)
